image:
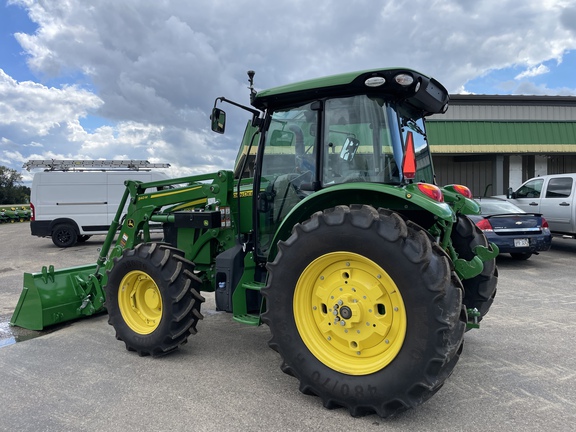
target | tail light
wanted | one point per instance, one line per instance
(32, 212)
(484, 225)
(462, 190)
(544, 223)
(431, 191)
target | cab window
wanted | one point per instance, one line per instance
(531, 189)
(559, 187)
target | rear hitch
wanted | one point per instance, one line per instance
(473, 316)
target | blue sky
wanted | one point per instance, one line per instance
(12, 60)
(136, 80)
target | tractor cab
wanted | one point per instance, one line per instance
(354, 128)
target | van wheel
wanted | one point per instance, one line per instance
(64, 235)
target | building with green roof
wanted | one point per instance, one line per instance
(490, 143)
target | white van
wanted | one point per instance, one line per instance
(552, 195)
(71, 206)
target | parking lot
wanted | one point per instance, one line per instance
(517, 373)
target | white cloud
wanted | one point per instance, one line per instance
(35, 109)
(155, 68)
(532, 72)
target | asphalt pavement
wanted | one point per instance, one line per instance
(517, 373)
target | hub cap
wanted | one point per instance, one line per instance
(349, 313)
(140, 302)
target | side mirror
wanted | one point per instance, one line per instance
(511, 193)
(218, 120)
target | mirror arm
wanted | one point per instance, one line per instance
(255, 112)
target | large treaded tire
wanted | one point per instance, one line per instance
(479, 292)
(421, 286)
(152, 298)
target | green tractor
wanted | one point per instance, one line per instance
(14, 214)
(330, 230)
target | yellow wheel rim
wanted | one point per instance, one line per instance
(140, 302)
(349, 313)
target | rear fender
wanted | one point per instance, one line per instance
(407, 200)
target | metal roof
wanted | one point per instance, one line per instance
(461, 137)
(474, 99)
(509, 107)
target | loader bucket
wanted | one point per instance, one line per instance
(52, 297)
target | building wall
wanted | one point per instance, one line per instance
(475, 172)
(559, 164)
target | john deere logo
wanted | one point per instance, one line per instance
(130, 223)
(205, 223)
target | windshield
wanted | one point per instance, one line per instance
(358, 143)
(328, 142)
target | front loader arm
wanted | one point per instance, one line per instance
(146, 206)
(54, 296)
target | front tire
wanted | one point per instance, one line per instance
(152, 298)
(364, 310)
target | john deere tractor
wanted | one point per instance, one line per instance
(330, 229)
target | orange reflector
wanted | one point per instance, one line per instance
(409, 162)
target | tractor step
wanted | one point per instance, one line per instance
(243, 316)
(255, 286)
(249, 319)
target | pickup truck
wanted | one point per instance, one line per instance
(554, 196)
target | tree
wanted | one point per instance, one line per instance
(11, 191)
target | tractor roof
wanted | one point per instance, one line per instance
(420, 97)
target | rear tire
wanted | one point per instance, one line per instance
(152, 298)
(64, 235)
(395, 293)
(479, 291)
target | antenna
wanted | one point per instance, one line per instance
(251, 74)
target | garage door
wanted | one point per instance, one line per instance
(474, 172)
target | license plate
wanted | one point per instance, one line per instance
(521, 243)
